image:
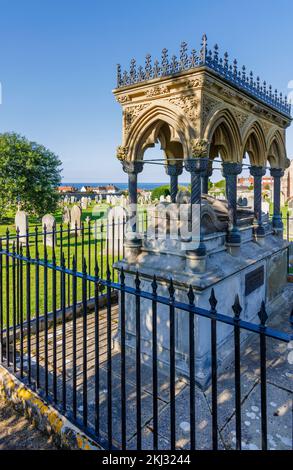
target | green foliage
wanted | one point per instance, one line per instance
(29, 175)
(160, 191)
(220, 184)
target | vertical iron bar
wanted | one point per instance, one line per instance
(28, 307)
(213, 303)
(89, 257)
(21, 309)
(192, 368)
(37, 300)
(54, 309)
(109, 358)
(138, 368)
(97, 352)
(123, 364)
(7, 287)
(46, 310)
(237, 311)
(74, 300)
(84, 303)
(14, 304)
(63, 302)
(172, 366)
(155, 363)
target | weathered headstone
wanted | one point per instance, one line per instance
(21, 224)
(66, 216)
(48, 222)
(75, 218)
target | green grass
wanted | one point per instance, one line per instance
(91, 250)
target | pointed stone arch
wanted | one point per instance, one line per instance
(254, 143)
(223, 134)
(276, 154)
(163, 122)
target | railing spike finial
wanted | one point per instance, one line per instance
(183, 56)
(213, 301)
(119, 75)
(154, 285)
(236, 307)
(171, 290)
(97, 269)
(204, 46)
(243, 72)
(193, 59)
(84, 266)
(262, 314)
(191, 295)
(137, 281)
(216, 53)
(235, 67)
(132, 71)
(165, 62)
(122, 276)
(226, 57)
(148, 67)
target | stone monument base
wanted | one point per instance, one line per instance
(259, 272)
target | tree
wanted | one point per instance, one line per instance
(160, 191)
(29, 175)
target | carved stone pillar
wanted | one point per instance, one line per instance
(132, 240)
(196, 258)
(258, 172)
(230, 172)
(205, 178)
(277, 174)
(173, 171)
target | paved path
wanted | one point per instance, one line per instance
(279, 389)
(16, 433)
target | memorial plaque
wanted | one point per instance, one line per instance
(254, 280)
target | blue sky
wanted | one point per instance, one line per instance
(58, 65)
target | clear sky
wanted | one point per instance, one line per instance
(58, 65)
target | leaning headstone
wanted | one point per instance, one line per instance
(75, 218)
(21, 224)
(66, 216)
(49, 222)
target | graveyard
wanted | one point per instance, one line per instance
(154, 314)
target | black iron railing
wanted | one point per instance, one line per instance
(67, 354)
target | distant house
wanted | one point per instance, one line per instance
(66, 189)
(109, 189)
(246, 182)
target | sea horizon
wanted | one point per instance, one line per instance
(122, 186)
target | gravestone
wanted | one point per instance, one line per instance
(49, 222)
(66, 216)
(75, 217)
(21, 224)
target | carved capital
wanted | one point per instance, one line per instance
(132, 167)
(277, 172)
(196, 165)
(174, 170)
(231, 169)
(257, 171)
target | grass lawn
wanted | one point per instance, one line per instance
(34, 292)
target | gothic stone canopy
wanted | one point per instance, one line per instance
(200, 99)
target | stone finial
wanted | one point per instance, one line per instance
(199, 148)
(122, 153)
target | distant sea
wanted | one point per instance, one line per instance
(121, 186)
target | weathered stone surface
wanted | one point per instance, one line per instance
(49, 222)
(21, 224)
